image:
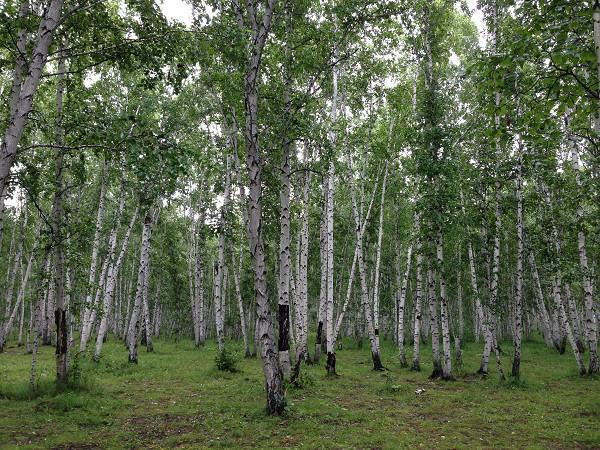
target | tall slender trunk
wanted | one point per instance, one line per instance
(60, 313)
(240, 265)
(402, 283)
(270, 364)
(191, 280)
(302, 275)
(573, 315)
(378, 260)
(200, 331)
(328, 230)
(240, 304)
(444, 314)
(544, 318)
(519, 291)
(433, 322)
(87, 311)
(112, 282)
(365, 300)
(19, 304)
(329, 308)
(562, 318)
(364, 221)
(491, 319)
(12, 274)
(284, 259)
(220, 268)
(146, 311)
(144, 267)
(591, 326)
(9, 276)
(19, 113)
(564, 323)
(321, 313)
(459, 330)
(416, 363)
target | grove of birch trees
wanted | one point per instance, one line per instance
(296, 174)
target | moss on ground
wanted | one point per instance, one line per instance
(175, 398)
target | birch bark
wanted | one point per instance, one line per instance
(378, 259)
(591, 326)
(416, 364)
(433, 322)
(87, 311)
(402, 282)
(268, 351)
(134, 321)
(22, 107)
(111, 284)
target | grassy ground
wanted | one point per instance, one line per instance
(175, 398)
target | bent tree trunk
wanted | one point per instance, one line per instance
(19, 113)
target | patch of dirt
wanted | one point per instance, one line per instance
(78, 446)
(154, 428)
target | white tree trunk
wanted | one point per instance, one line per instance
(364, 221)
(591, 326)
(220, 268)
(544, 318)
(111, 284)
(416, 358)
(35, 66)
(378, 258)
(444, 314)
(433, 322)
(284, 263)
(321, 312)
(144, 268)
(365, 297)
(87, 311)
(564, 323)
(302, 276)
(519, 294)
(402, 283)
(329, 308)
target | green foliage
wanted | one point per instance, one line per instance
(391, 385)
(305, 380)
(227, 361)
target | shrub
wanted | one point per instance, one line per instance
(305, 379)
(226, 361)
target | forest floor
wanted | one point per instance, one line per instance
(175, 398)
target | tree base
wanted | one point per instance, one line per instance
(377, 365)
(437, 373)
(331, 364)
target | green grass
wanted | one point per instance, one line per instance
(175, 398)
